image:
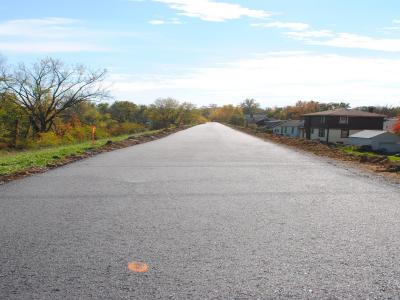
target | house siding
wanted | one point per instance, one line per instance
(354, 125)
(290, 128)
(388, 142)
(290, 131)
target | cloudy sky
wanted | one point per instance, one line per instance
(216, 51)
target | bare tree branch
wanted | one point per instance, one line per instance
(49, 87)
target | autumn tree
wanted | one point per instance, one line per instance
(396, 127)
(13, 121)
(163, 113)
(250, 107)
(49, 87)
(228, 114)
(295, 112)
(123, 111)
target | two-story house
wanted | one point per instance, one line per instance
(334, 126)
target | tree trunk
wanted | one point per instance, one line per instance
(16, 133)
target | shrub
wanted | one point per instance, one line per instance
(126, 128)
(237, 120)
(46, 139)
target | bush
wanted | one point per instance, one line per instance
(3, 146)
(237, 120)
(126, 128)
(46, 139)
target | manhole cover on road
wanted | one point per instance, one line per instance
(138, 267)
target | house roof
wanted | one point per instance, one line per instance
(255, 118)
(346, 112)
(368, 134)
(293, 123)
(272, 123)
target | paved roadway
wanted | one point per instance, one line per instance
(215, 213)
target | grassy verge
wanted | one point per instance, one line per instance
(11, 162)
(352, 150)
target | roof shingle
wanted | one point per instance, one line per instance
(346, 112)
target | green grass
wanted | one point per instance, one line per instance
(14, 161)
(353, 151)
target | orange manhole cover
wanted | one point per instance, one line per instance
(138, 267)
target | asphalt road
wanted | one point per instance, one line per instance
(215, 213)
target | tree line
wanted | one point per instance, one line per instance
(51, 103)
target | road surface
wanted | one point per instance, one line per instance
(213, 212)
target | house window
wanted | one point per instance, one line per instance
(344, 120)
(323, 119)
(344, 133)
(312, 130)
(285, 129)
(321, 132)
(292, 130)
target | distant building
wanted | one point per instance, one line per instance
(388, 124)
(271, 125)
(376, 139)
(334, 126)
(256, 119)
(291, 128)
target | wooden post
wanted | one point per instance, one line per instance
(93, 133)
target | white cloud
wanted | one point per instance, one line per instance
(304, 32)
(40, 28)
(209, 10)
(275, 79)
(394, 27)
(173, 21)
(305, 35)
(48, 35)
(349, 40)
(157, 22)
(51, 47)
(283, 25)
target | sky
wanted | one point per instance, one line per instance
(218, 51)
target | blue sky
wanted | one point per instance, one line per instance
(209, 51)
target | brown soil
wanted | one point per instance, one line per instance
(376, 164)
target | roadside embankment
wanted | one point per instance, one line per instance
(384, 165)
(19, 164)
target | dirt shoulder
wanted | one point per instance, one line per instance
(107, 147)
(379, 165)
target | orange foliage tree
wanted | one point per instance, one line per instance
(396, 128)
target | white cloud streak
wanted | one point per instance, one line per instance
(310, 34)
(304, 32)
(212, 11)
(173, 21)
(283, 25)
(355, 41)
(48, 35)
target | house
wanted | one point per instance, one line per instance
(389, 124)
(271, 125)
(257, 119)
(292, 128)
(334, 126)
(376, 139)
